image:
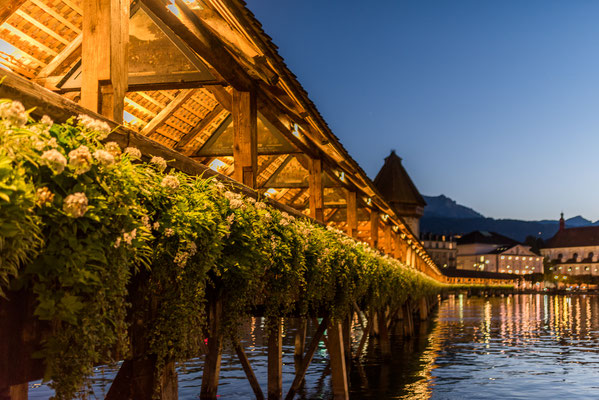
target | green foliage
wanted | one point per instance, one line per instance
(105, 241)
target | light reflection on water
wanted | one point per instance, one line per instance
(516, 347)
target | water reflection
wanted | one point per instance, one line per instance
(514, 347)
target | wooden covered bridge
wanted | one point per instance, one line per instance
(200, 84)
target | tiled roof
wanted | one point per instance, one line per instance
(394, 183)
(575, 237)
(486, 238)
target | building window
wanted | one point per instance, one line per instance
(502, 257)
(575, 256)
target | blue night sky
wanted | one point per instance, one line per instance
(492, 103)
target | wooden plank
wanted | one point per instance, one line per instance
(221, 95)
(397, 248)
(275, 362)
(374, 229)
(196, 130)
(316, 199)
(8, 8)
(249, 372)
(337, 357)
(423, 308)
(352, 213)
(307, 359)
(245, 142)
(166, 112)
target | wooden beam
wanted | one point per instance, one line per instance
(26, 38)
(249, 372)
(166, 112)
(57, 16)
(196, 130)
(221, 95)
(275, 362)
(316, 189)
(397, 250)
(199, 38)
(41, 26)
(51, 68)
(352, 213)
(104, 56)
(374, 229)
(307, 359)
(8, 8)
(338, 367)
(245, 142)
(387, 243)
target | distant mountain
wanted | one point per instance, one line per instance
(443, 215)
(443, 206)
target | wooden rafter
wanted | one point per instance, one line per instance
(166, 112)
(41, 26)
(196, 130)
(56, 15)
(7, 8)
(25, 37)
(73, 47)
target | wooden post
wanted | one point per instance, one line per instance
(347, 342)
(316, 200)
(374, 229)
(213, 358)
(352, 213)
(245, 146)
(423, 308)
(104, 60)
(384, 335)
(337, 355)
(387, 244)
(397, 246)
(408, 319)
(15, 392)
(300, 340)
(275, 362)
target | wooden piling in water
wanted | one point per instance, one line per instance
(275, 361)
(337, 357)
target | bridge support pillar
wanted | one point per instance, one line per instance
(338, 367)
(275, 361)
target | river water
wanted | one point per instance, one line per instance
(513, 347)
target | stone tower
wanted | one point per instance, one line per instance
(395, 185)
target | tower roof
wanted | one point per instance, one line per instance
(394, 183)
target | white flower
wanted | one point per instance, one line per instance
(117, 242)
(14, 112)
(236, 203)
(39, 145)
(170, 182)
(104, 157)
(219, 186)
(260, 205)
(230, 219)
(284, 222)
(232, 196)
(159, 162)
(54, 160)
(94, 124)
(133, 152)
(75, 205)
(267, 216)
(113, 148)
(129, 236)
(52, 143)
(43, 196)
(80, 159)
(145, 220)
(251, 200)
(47, 121)
(156, 226)
(168, 232)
